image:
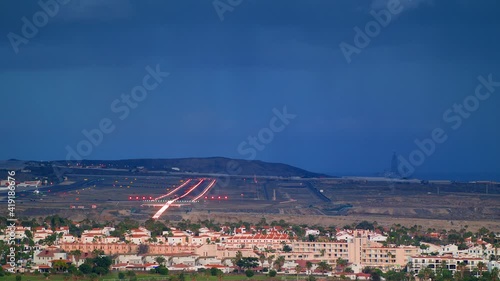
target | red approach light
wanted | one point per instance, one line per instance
(225, 197)
(212, 197)
(206, 197)
(150, 197)
(130, 198)
(143, 197)
(218, 198)
(137, 198)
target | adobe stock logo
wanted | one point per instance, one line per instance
(223, 6)
(39, 19)
(362, 38)
(122, 106)
(453, 116)
(265, 135)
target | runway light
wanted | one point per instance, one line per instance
(130, 198)
(212, 197)
(206, 197)
(225, 197)
(219, 197)
(150, 197)
(143, 197)
(137, 198)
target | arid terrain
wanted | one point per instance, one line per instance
(327, 201)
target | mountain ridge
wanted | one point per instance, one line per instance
(214, 165)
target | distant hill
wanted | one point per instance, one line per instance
(217, 165)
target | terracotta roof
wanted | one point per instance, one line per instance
(46, 254)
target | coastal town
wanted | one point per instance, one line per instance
(353, 252)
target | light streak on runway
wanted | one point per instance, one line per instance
(173, 191)
(170, 202)
(205, 190)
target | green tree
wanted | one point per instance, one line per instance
(425, 274)
(309, 265)
(249, 273)
(270, 259)
(237, 259)
(298, 269)
(341, 262)
(495, 274)
(393, 275)
(247, 263)
(162, 270)
(220, 274)
(481, 266)
(262, 259)
(214, 271)
(160, 260)
(272, 273)
(365, 225)
(279, 262)
(60, 265)
(323, 266)
(101, 265)
(85, 268)
(461, 267)
(287, 249)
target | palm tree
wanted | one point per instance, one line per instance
(279, 262)
(341, 262)
(270, 259)
(481, 266)
(444, 265)
(262, 259)
(76, 253)
(461, 268)
(425, 273)
(309, 265)
(324, 267)
(77, 275)
(298, 269)
(207, 274)
(494, 274)
(160, 260)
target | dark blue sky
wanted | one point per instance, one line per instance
(227, 76)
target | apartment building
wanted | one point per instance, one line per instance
(450, 262)
(386, 257)
(327, 251)
(261, 241)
